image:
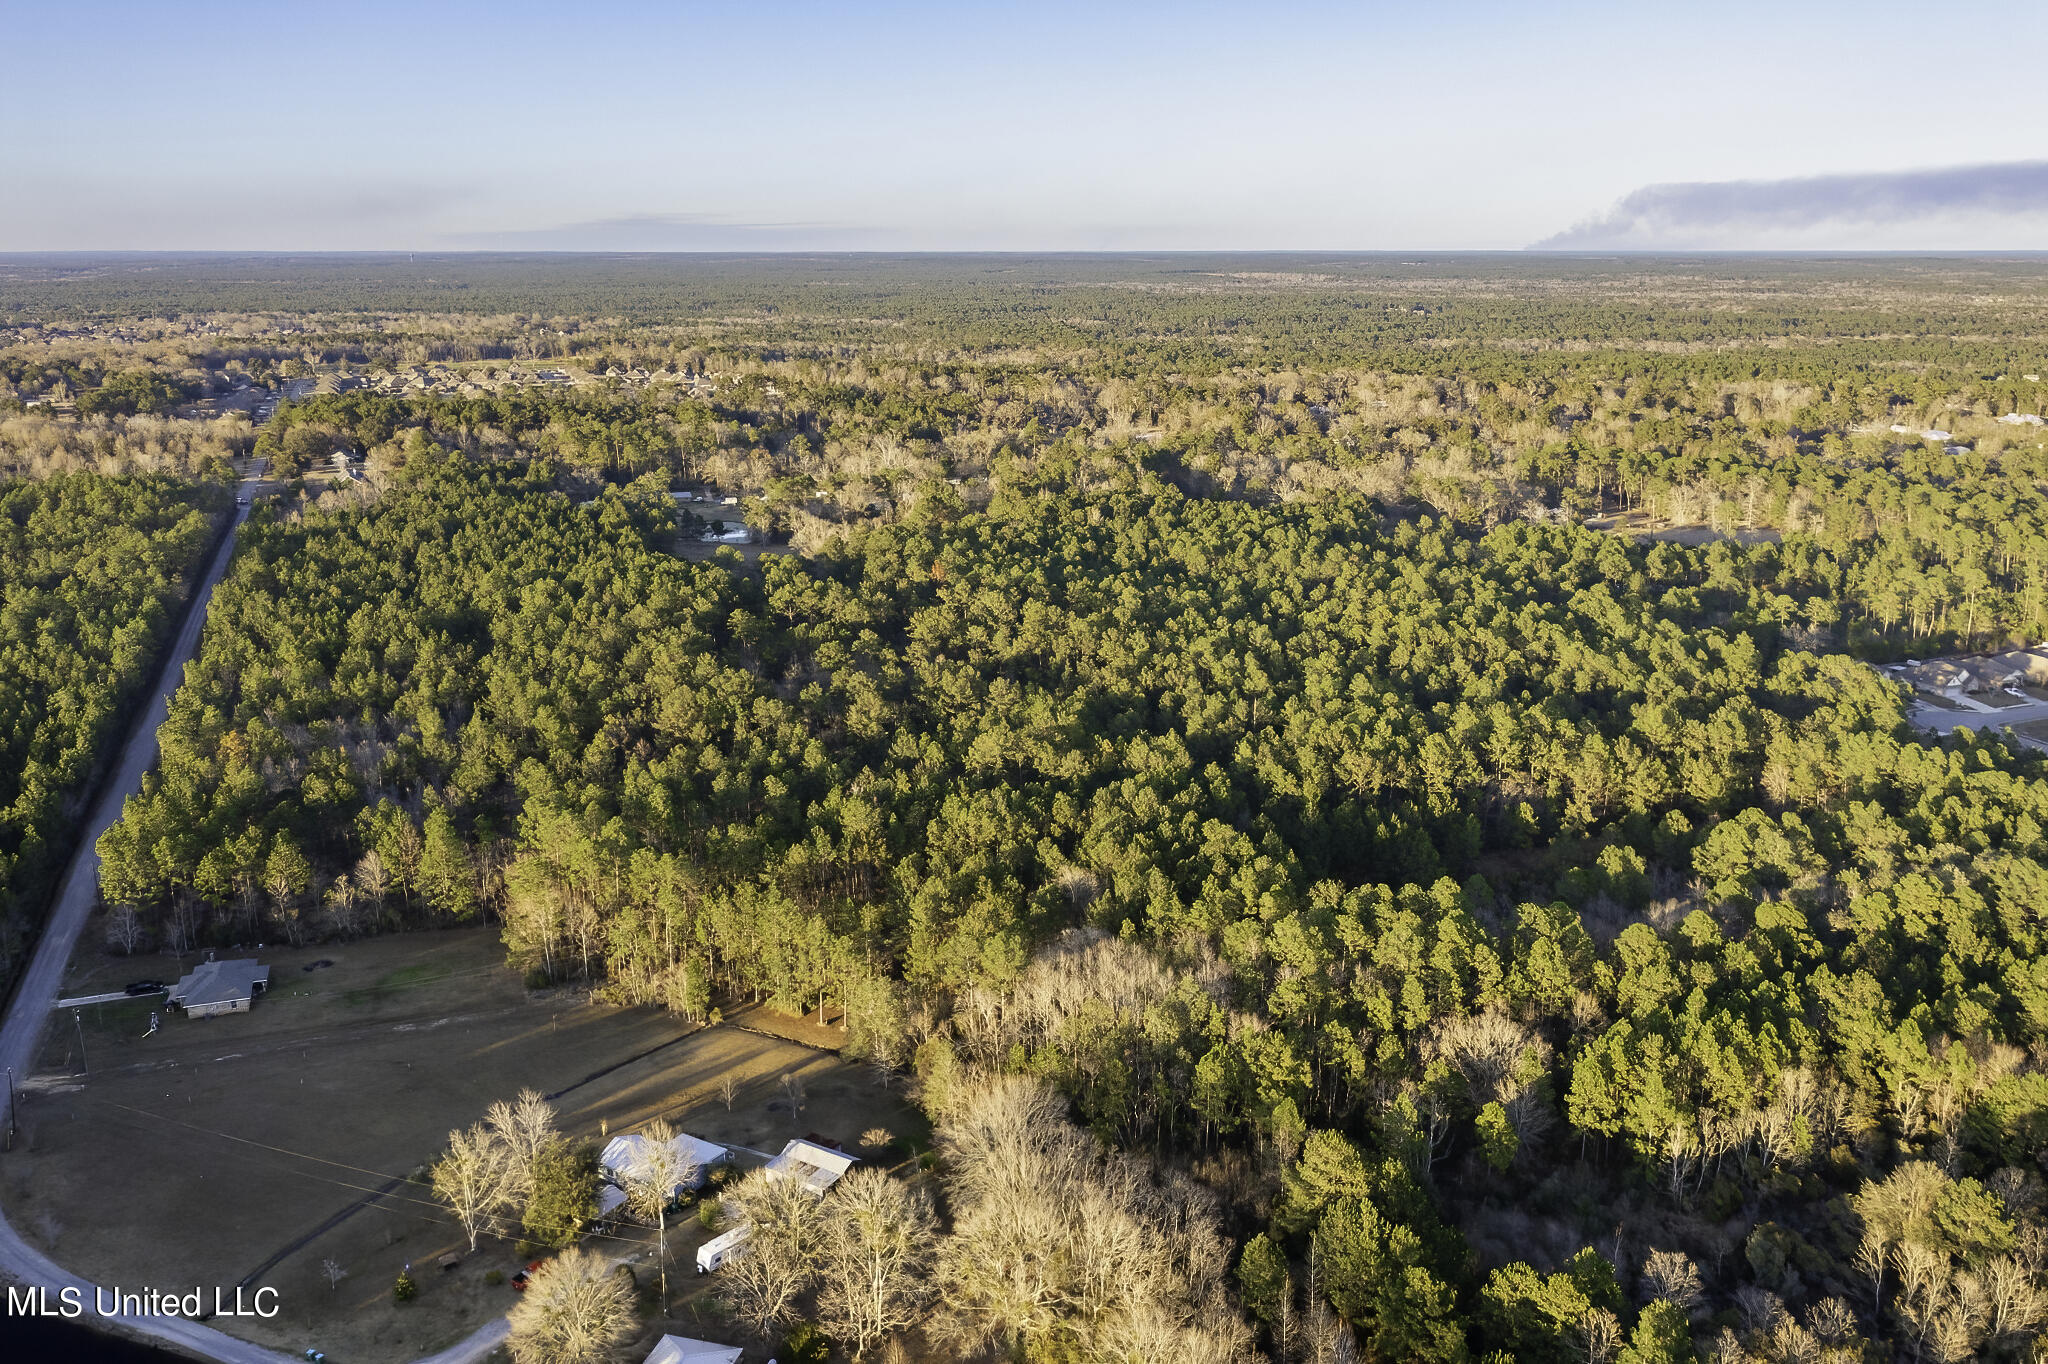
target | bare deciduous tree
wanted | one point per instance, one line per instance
(728, 1089)
(1597, 1337)
(1832, 1321)
(660, 1171)
(876, 1248)
(777, 1262)
(1052, 1233)
(475, 1179)
(1671, 1276)
(343, 904)
(525, 1127)
(372, 877)
(576, 1310)
(335, 1273)
(124, 929)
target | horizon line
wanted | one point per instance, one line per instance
(1037, 254)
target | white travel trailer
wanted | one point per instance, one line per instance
(721, 1248)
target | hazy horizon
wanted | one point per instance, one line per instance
(918, 127)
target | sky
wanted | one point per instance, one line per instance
(896, 126)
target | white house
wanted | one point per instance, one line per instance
(625, 1157)
(721, 1248)
(1936, 434)
(220, 987)
(2020, 419)
(682, 1350)
(817, 1167)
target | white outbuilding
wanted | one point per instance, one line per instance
(626, 1157)
(683, 1350)
(817, 1167)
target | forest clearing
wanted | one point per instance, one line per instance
(234, 1138)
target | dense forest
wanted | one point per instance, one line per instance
(93, 574)
(1388, 749)
(1529, 858)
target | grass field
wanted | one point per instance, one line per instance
(226, 1147)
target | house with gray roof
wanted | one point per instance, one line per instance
(220, 987)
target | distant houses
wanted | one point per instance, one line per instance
(1976, 672)
(220, 987)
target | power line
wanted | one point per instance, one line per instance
(386, 1191)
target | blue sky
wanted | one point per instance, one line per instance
(633, 126)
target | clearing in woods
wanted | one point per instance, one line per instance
(223, 1149)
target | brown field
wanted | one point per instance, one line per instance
(224, 1147)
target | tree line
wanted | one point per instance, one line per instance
(94, 572)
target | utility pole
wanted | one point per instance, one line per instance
(10, 1108)
(77, 1017)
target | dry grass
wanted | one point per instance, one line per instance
(194, 1156)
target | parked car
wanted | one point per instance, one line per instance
(146, 987)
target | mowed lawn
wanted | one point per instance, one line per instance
(199, 1155)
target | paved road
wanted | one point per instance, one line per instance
(22, 1029)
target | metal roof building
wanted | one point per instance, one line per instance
(625, 1157)
(682, 1350)
(817, 1167)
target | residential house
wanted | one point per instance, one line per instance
(220, 987)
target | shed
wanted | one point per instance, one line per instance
(817, 1167)
(624, 1158)
(682, 1350)
(220, 987)
(721, 1248)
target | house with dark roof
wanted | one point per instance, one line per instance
(220, 987)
